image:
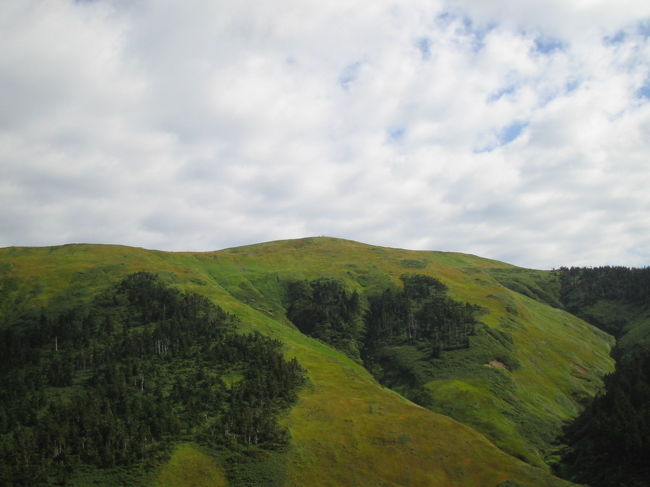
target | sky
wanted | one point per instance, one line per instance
(518, 131)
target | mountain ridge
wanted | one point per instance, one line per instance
(247, 281)
(289, 241)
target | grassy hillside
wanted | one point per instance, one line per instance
(188, 465)
(611, 298)
(347, 429)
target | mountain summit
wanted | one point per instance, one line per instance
(471, 387)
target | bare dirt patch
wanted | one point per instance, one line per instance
(582, 370)
(495, 364)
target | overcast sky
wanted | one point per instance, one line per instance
(516, 130)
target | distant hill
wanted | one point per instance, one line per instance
(492, 409)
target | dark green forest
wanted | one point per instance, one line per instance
(610, 440)
(325, 309)
(117, 380)
(419, 313)
(609, 443)
(398, 334)
(583, 287)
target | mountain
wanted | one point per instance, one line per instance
(488, 413)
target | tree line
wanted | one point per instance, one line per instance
(609, 443)
(581, 287)
(119, 379)
(420, 312)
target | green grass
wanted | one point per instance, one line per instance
(543, 286)
(637, 332)
(630, 322)
(346, 429)
(189, 466)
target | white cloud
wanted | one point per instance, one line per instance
(515, 130)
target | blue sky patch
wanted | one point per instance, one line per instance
(497, 95)
(349, 74)
(475, 33)
(511, 132)
(445, 18)
(644, 91)
(620, 36)
(617, 38)
(506, 135)
(571, 86)
(467, 28)
(548, 45)
(424, 46)
(395, 134)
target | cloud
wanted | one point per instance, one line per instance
(514, 130)
(572, 20)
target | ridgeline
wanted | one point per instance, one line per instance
(392, 367)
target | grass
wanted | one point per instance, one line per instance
(346, 429)
(540, 285)
(637, 333)
(189, 466)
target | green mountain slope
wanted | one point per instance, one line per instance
(607, 444)
(611, 298)
(530, 370)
